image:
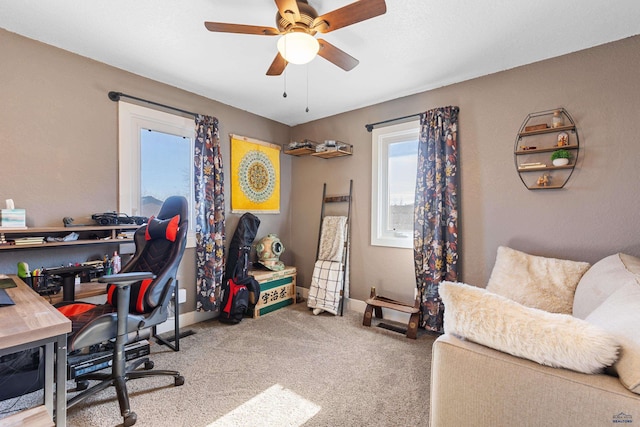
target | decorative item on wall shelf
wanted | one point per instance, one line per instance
(560, 157)
(563, 139)
(536, 127)
(545, 132)
(557, 120)
(544, 180)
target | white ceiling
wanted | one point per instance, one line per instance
(416, 46)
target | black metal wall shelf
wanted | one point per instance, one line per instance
(537, 128)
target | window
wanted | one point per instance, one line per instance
(155, 160)
(394, 164)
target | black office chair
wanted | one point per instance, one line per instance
(137, 300)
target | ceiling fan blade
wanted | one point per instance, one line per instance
(337, 56)
(289, 10)
(222, 27)
(277, 66)
(349, 14)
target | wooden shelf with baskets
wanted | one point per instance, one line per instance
(312, 148)
(299, 151)
(329, 154)
(302, 148)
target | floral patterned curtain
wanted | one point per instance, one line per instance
(210, 216)
(435, 246)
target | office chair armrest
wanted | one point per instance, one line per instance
(124, 279)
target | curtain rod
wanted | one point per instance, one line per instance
(371, 125)
(115, 97)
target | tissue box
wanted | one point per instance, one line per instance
(13, 218)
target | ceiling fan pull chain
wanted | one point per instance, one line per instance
(307, 109)
(284, 94)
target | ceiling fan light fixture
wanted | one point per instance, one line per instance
(298, 47)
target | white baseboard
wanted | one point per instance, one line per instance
(351, 304)
(359, 306)
(186, 319)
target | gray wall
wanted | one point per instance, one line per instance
(596, 214)
(58, 142)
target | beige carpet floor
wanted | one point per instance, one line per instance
(287, 368)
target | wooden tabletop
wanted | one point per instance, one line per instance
(31, 319)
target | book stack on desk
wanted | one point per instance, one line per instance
(34, 240)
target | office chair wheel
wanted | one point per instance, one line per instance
(130, 419)
(179, 380)
(148, 365)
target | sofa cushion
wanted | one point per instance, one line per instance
(603, 279)
(620, 315)
(551, 339)
(545, 283)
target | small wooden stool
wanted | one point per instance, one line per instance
(378, 303)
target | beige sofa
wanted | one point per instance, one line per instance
(475, 385)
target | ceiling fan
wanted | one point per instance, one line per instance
(298, 23)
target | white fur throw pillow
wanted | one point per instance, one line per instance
(545, 283)
(551, 339)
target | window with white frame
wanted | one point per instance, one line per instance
(394, 164)
(155, 160)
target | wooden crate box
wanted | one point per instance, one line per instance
(277, 289)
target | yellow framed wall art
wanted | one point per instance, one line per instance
(255, 175)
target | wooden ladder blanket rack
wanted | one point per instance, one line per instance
(345, 250)
(377, 303)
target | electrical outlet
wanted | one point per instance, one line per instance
(182, 295)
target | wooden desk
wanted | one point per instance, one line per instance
(33, 322)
